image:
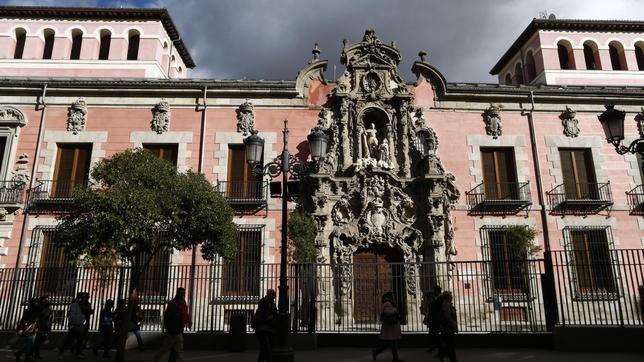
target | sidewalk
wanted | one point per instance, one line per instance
(363, 355)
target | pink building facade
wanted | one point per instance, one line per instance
(462, 161)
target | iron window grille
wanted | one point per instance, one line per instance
(592, 262)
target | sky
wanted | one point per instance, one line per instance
(273, 39)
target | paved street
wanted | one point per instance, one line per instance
(362, 355)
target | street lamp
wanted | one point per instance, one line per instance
(612, 121)
(284, 164)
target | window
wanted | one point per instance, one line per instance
(241, 275)
(21, 38)
(133, 45)
(56, 275)
(591, 260)
(77, 42)
(616, 52)
(518, 73)
(564, 50)
(639, 55)
(508, 79)
(241, 183)
(640, 167)
(3, 152)
(530, 69)
(499, 173)
(50, 37)
(591, 56)
(154, 278)
(106, 40)
(509, 270)
(72, 168)
(578, 173)
(166, 152)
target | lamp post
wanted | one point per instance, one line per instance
(284, 165)
(612, 121)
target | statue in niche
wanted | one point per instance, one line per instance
(370, 142)
(640, 122)
(383, 155)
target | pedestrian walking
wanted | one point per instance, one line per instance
(448, 327)
(135, 323)
(88, 311)
(262, 322)
(175, 319)
(76, 325)
(105, 329)
(432, 317)
(27, 329)
(44, 325)
(390, 328)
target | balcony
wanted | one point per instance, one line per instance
(636, 200)
(244, 195)
(53, 195)
(507, 198)
(11, 195)
(586, 198)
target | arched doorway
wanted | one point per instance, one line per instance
(377, 270)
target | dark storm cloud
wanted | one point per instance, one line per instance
(272, 39)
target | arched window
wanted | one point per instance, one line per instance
(564, 50)
(106, 40)
(591, 56)
(133, 45)
(617, 59)
(77, 42)
(530, 69)
(50, 37)
(518, 74)
(508, 79)
(21, 38)
(639, 55)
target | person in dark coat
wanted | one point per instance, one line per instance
(262, 323)
(175, 319)
(44, 325)
(27, 329)
(105, 329)
(76, 325)
(390, 328)
(88, 311)
(432, 316)
(449, 326)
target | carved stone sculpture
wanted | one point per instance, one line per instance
(3, 214)
(245, 118)
(493, 126)
(20, 178)
(383, 155)
(77, 116)
(161, 117)
(569, 122)
(12, 116)
(640, 122)
(370, 143)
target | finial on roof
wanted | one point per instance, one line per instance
(344, 42)
(423, 55)
(316, 52)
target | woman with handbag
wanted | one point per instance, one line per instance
(390, 328)
(27, 329)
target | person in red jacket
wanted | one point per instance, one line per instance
(177, 317)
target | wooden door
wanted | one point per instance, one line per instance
(578, 174)
(499, 173)
(372, 278)
(72, 168)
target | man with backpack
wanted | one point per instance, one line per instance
(175, 318)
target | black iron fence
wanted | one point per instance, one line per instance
(339, 298)
(11, 192)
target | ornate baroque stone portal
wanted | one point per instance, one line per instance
(381, 182)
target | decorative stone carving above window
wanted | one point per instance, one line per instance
(161, 117)
(639, 118)
(492, 116)
(77, 116)
(11, 116)
(245, 118)
(20, 178)
(569, 122)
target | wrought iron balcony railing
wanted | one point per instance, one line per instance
(499, 198)
(636, 200)
(252, 193)
(53, 195)
(585, 198)
(11, 193)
